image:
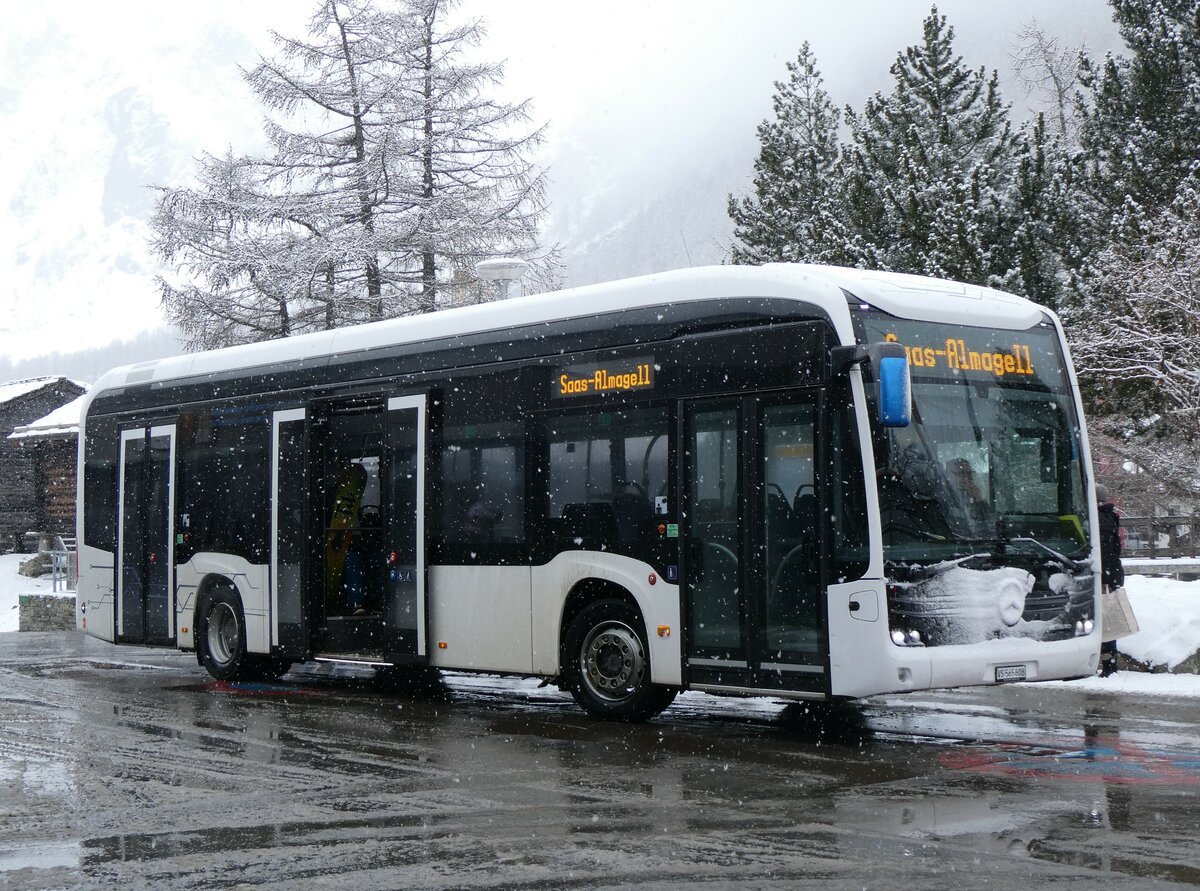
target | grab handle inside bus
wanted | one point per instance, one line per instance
(889, 362)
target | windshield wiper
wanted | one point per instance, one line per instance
(1063, 560)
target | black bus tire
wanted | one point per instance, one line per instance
(607, 665)
(221, 637)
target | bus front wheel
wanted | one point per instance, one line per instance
(608, 666)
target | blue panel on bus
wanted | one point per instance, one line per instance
(895, 393)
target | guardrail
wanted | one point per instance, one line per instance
(1154, 537)
(64, 566)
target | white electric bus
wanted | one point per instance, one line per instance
(707, 479)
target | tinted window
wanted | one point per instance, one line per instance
(483, 482)
(847, 495)
(607, 475)
(100, 484)
(224, 473)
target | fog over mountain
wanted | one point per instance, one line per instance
(651, 115)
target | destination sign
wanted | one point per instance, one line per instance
(939, 351)
(955, 356)
(618, 376)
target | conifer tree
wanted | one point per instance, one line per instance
(1140, 131)
(930, 164)
(1051, 226)
(788, 216)
(1136, 343)
(1141, 112)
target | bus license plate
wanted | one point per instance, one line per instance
(1010, 672)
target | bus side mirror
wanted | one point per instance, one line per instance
(895, 386)
(889, 362)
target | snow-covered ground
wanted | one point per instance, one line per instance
(12, 585)
(1167, 611)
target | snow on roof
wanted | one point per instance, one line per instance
(16, 389)
(63, 421)
(907, 296)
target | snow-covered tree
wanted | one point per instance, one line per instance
(1049, 69)
(1135, 332)
(1051, 225)
(932, 163)
(251, 253)
(788, 216)
(391, 172)
(1141, 112)
(1136, 342)
(933, 180)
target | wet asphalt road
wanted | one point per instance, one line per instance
(130, 767)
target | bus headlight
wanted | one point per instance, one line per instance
(911, 638)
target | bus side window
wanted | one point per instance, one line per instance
(847, 490)
(224, 475)
(483, 483)
(607, 471)
(100, 484)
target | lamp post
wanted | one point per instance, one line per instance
(503, 271)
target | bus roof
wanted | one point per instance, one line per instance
(907, 296)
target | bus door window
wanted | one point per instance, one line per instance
(714, 532)
(791, 538)
(355, 566)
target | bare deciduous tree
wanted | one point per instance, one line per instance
(1050, 70)
(391, 173)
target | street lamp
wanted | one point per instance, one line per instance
(501, 270)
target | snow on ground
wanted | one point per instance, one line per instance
(12, 585)
(1168, 614)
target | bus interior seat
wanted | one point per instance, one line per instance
(778, 514)
(708, 510)
(804, 512)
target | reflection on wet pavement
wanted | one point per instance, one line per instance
(132, 767)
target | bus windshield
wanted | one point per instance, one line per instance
(991, 462)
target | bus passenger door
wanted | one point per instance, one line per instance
(752, 543)
(404, 610)
(145, 550)
(787, 539)
(289, 485)
(713, 543)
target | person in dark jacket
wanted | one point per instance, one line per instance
(1112, 574)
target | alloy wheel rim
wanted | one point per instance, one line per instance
(613, 661)
(224, 636)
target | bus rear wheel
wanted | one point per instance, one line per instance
(608, 665)
(221, 639)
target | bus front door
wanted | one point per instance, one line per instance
(145, 549)
(369, 506)
(751, 532)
